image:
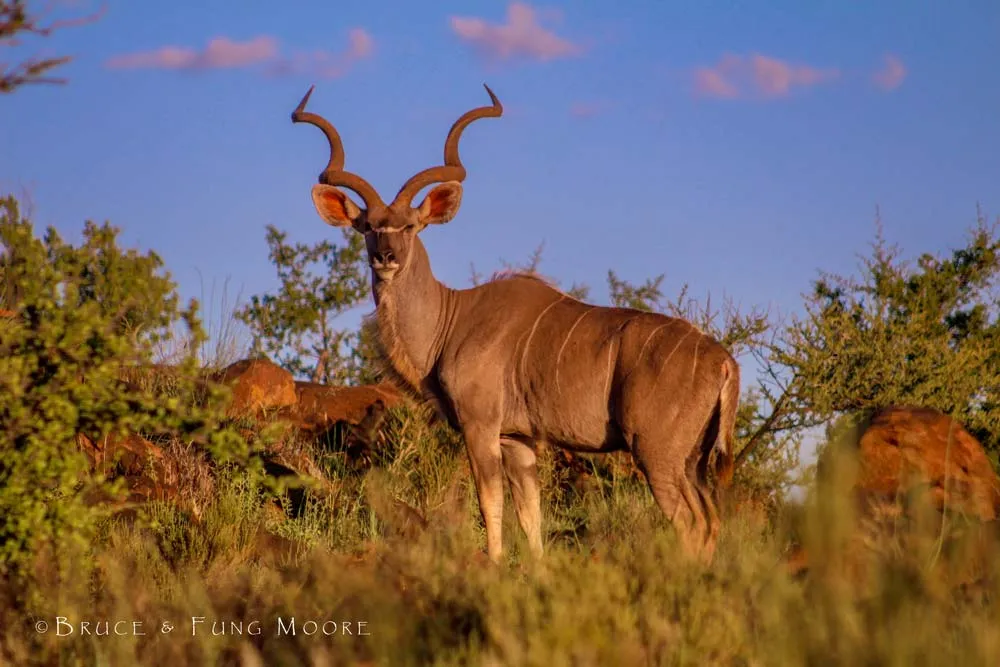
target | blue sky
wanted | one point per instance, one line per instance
(738, 147)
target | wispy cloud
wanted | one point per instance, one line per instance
(521, 36)
(324, 64)
(755, 75)
(220, 53)
(261, 51)
(587, 109)
(892, 73)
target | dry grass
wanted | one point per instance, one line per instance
(396, 554)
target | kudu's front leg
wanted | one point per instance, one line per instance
(520, 462)
(483, 446)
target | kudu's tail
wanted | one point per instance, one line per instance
(729, 402)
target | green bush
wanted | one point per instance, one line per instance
(297, 325)
(913, 333)
(84, 314)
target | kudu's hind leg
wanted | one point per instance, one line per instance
(678, 498)
(697, 476)
(521, 465)
(714, 523)
(483, 446)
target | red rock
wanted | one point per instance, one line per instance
(257, 385)
(320, 409)
(905, 446)
(902, 447)
(128, 455)
(132, 457)
(319, 406)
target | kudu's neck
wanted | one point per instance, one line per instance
(412, 314)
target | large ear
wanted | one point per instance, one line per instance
(334, 206)
(441, 203)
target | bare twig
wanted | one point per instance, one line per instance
(16, 22)
(767, 427)
(321, 363)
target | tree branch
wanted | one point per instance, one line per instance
(16, 21)
(766, 428)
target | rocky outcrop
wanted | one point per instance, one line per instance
(262, 390)
(900, 449)
(347, 419)
(257, 385)
(907, 446)
(319, 406)
(140, 462)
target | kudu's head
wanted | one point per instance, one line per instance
(390, 231)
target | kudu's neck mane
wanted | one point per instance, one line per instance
(411, 315)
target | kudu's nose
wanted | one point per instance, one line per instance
(384, 257)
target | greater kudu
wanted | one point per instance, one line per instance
(515, 363)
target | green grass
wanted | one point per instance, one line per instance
(613, 589)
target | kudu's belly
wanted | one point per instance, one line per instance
(568, 405)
